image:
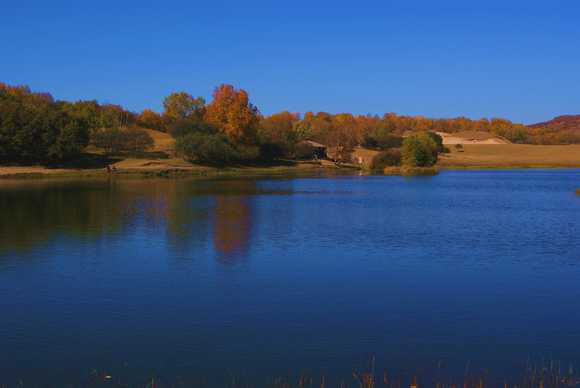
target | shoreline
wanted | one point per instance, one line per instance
(39, 172)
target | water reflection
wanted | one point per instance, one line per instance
(186, 212)
(231, 228)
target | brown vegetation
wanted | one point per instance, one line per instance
(568, 123)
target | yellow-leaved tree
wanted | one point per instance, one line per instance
(234, 115)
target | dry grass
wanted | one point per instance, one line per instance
(367, 156)
(163, 141)
(533, 377)
(511, 156)
(499, 156)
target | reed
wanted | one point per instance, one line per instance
(410, 171)
(553, 376)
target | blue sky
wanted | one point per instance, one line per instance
(518, 60)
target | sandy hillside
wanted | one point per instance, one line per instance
(471, 137)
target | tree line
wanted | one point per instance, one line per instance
(35, 127)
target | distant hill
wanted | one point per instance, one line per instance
(568, 123)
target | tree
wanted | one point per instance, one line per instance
(113, 140)
(419, 151)
(234, 115)
(385, 159)
(108, 139)
(182, 127)
(182, 105)
(152, 120)
(206, 148)
(32, 126)
(436, 138)
(279, 126)
(136, 141)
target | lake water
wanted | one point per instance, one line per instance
(214, 278)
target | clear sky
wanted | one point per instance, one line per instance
(518, 60)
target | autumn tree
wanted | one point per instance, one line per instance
(183, 105)
(279, 126)
(151, 120)
(234, 115)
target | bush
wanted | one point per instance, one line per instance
(213, 148)
(386, 159)
(442, 149)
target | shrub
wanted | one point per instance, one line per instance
(386, 159)
(206, 148)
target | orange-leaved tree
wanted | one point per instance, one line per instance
(234, 115)
(152, 120)
(280, 126)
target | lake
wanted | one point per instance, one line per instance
(209, 279)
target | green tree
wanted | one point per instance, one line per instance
(419, 151)
(109, 139)
(136, 141)
(182, 127)
(385, 159)
(436, 138)
(183, 105)
(206, 148)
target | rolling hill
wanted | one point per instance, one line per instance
(567, 123)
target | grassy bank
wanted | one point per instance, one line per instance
(163, 161)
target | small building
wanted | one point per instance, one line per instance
(319, 148)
